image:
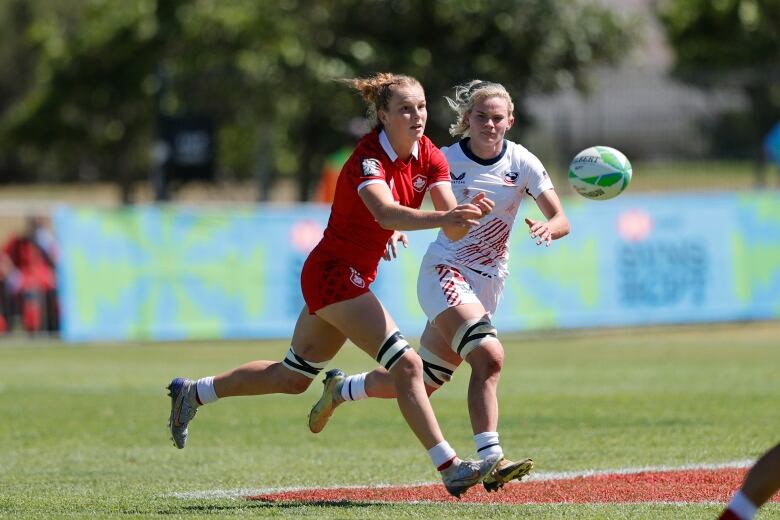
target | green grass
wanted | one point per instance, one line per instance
(82, 428)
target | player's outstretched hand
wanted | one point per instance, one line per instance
(540, 231)
(391, 249)
(481, 201)
(463, 216)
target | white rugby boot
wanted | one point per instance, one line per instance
(184, 405)
(463, 474)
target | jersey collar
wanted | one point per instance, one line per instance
(388, 148)
(484, 162)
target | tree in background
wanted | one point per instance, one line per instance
(266, 73)
(731, 43)
(16, 64)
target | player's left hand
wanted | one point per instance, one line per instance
(540, 231)
(391, 250)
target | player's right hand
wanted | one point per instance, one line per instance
(463, 216)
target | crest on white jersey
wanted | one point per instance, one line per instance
(372, 168)
(356, 279)
(419, 182)
(511, 178)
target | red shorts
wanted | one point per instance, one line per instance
(326, 279)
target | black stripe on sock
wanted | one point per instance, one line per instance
(488, 446)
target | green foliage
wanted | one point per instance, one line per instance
(737, 34)
(265, 71)
(732, 43)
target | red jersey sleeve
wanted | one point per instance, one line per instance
(438, 168)
(365, 166)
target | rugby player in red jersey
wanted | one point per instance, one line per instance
(379, 190)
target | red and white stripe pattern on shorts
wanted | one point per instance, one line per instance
(449, 278)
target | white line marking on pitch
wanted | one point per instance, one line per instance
(538, 476)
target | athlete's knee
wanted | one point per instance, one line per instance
(302, 373)
(487, 361)
(436, 371)
(473, 333)
(409, 366)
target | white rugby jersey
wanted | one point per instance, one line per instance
(504, 179)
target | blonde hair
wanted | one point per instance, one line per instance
(468, 95)
(377, 90)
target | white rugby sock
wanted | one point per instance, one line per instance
(354, 387)
(206, 393)
(442, 455)
(487, 444)
(741, 506)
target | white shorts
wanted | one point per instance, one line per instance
(443, 285)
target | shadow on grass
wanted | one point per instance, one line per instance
(263, 504)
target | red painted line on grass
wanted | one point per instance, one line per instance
(713, 485)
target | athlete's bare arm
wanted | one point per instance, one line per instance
(390, 215)
(557, 224)
(444, 200)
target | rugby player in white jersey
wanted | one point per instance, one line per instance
(461, 282)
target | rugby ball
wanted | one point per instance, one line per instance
(599, 173)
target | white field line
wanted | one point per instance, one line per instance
(534, 477)
(564, 475)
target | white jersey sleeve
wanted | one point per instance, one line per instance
(536, 178)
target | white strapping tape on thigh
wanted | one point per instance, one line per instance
(297, 364)
(436, 371)
(393, 347)
(470, 334)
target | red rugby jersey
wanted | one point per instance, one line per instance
(352, 233)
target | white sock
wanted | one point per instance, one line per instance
(487, 444)
(741, 506)
(441, 455)
(354, 387)
(206, 393)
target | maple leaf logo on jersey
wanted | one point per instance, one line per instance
(356, 279)
(457, 179)
(418, 183)
(511, 178)
(372, 168)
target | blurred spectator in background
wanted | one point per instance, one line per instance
(772, 145)
(27, 268)
(330, 174)
(335, 161)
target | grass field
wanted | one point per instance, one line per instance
(83, 428)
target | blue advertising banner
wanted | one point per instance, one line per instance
(172, 273)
